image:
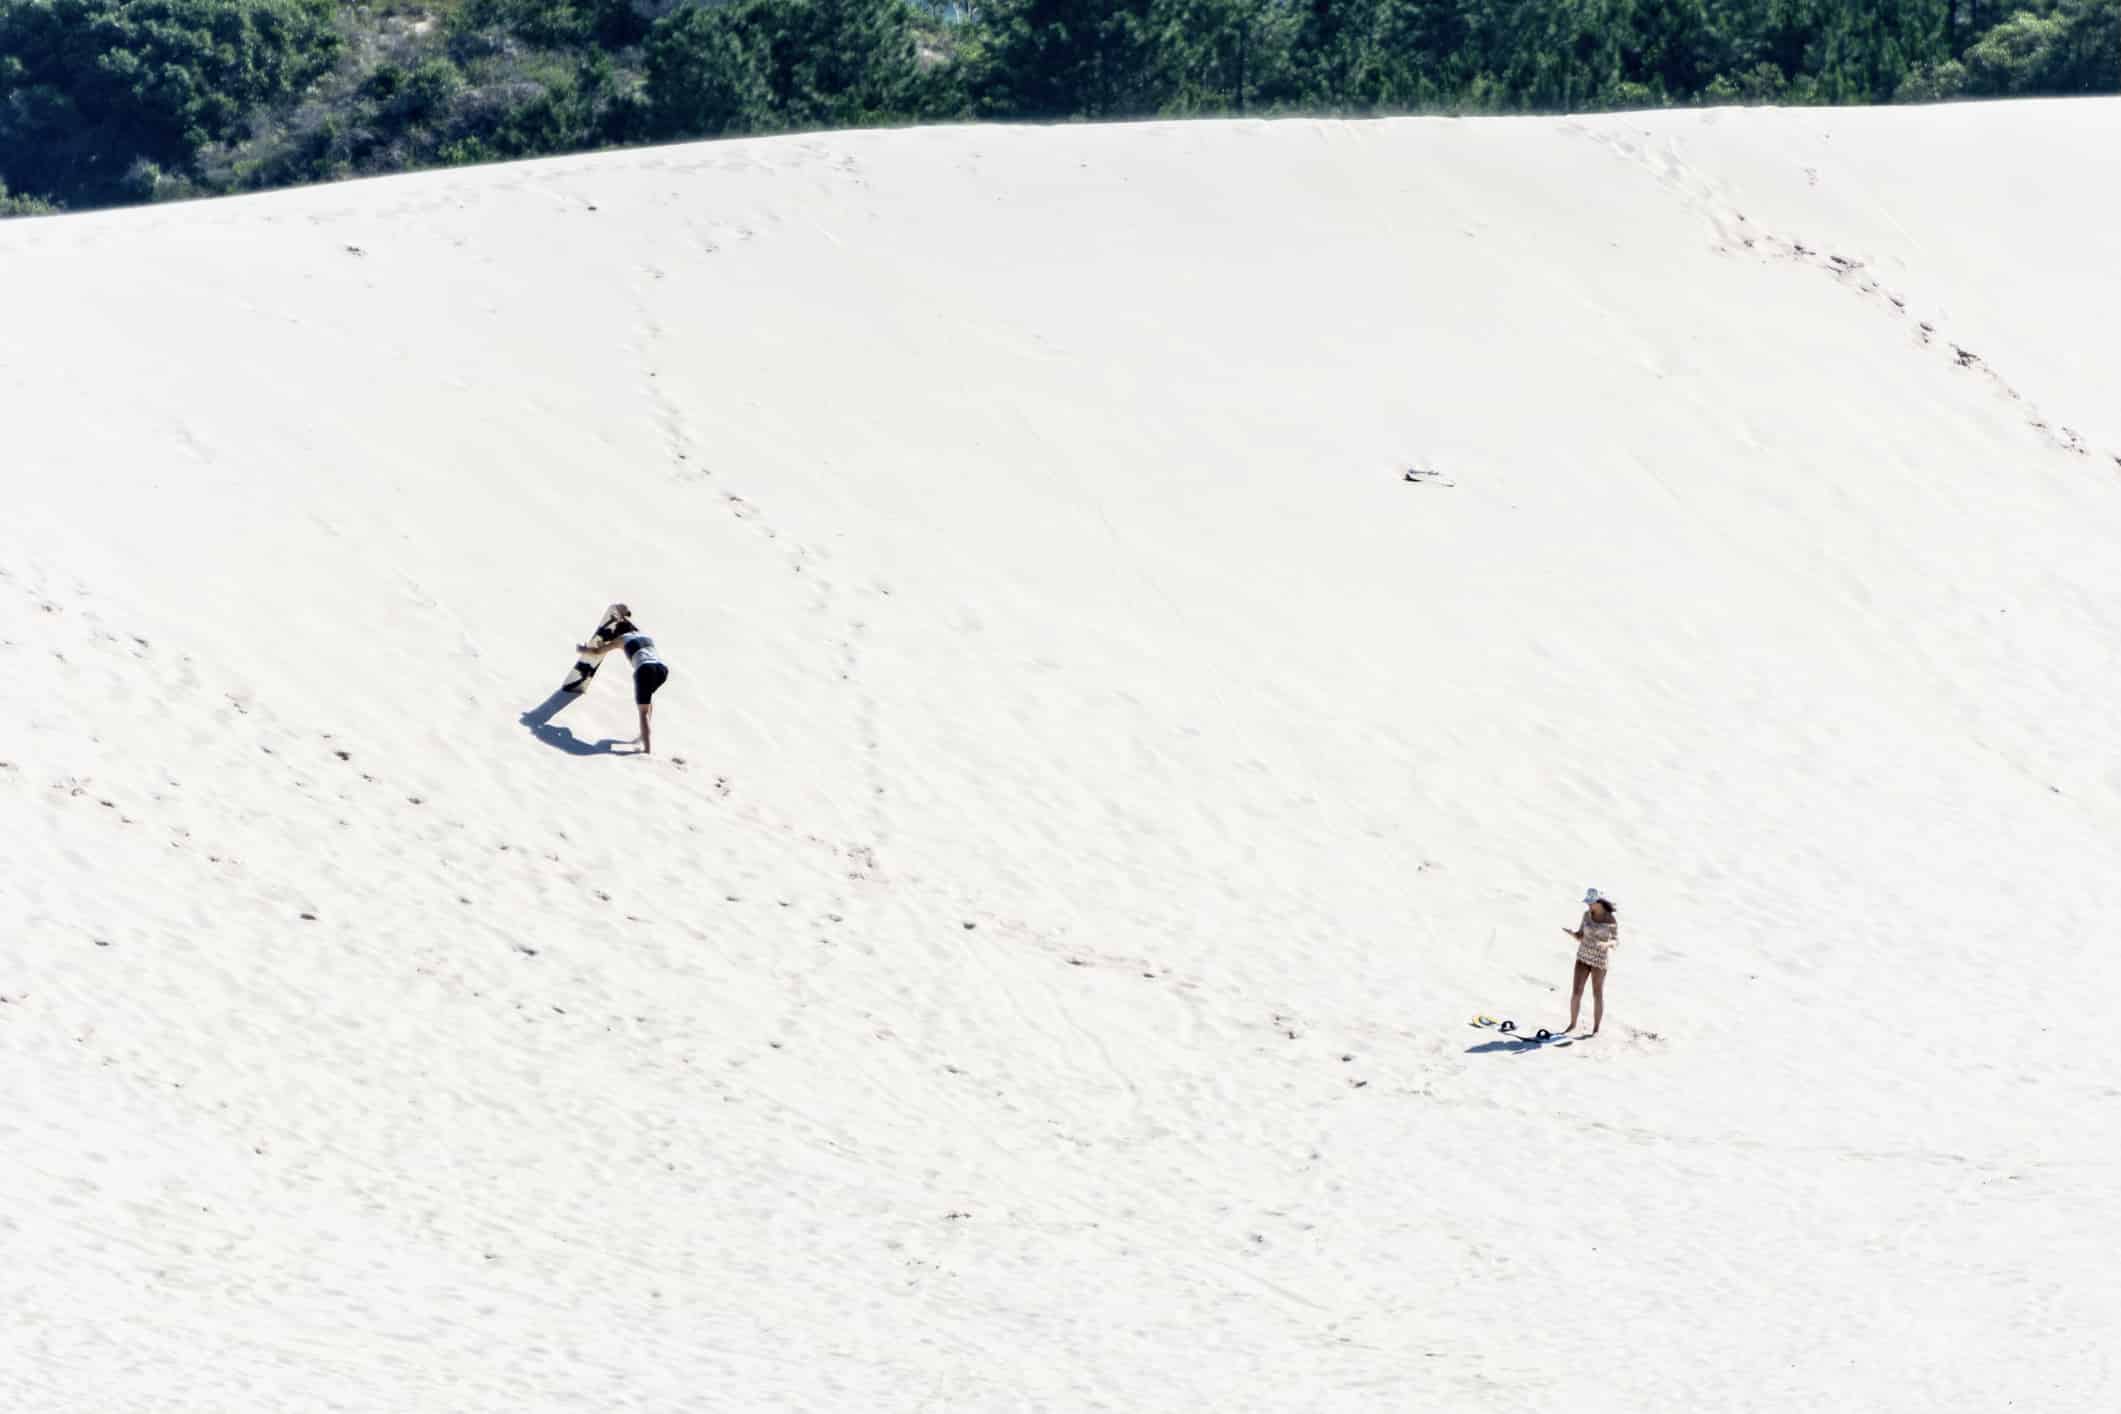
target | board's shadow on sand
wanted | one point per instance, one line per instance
(539, 720)
(551, 707)
(1516, 1048)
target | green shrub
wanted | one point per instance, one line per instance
(465, 152)
(2015, 56)
(1069, 58)
(833, 63)
(426, 91)
(1763, 83)
(1933, 83)
(1632, 95)
(2074, 48)
(557, 24)
(23, 205)
(94, 86)
(145, 181)
(703, 76)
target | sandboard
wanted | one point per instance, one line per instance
(1507, 1030)
(585, 667)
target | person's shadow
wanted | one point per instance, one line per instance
(539, 720)
(561, 739)
(1514, 1045)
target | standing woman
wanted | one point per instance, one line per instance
(649, 671)
(1596, 937)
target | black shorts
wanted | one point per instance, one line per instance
(646, 679)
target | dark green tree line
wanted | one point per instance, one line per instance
(104, 100)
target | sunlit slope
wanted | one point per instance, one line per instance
(1095, 786)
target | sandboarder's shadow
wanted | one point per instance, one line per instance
(561, 739)
(1515, 1048)
(539, 720)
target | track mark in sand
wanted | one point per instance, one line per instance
(850, 641)
(868, 718)
(1072, 1036)
(663, 406)
(849, 629)
(1734, 234)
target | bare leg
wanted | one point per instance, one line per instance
(1583, 970)
(646, 709)
(1597, 999)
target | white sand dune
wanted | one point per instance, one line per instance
(1094, 790)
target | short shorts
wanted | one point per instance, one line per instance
(646, 679)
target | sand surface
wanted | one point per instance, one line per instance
(1095, 788)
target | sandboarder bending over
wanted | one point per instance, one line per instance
(1596, 937)
(649, 672)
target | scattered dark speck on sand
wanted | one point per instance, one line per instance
(310, 917)
(343, 755)
(970, 925)
(102, 942)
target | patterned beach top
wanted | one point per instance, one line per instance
(1598, 941)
